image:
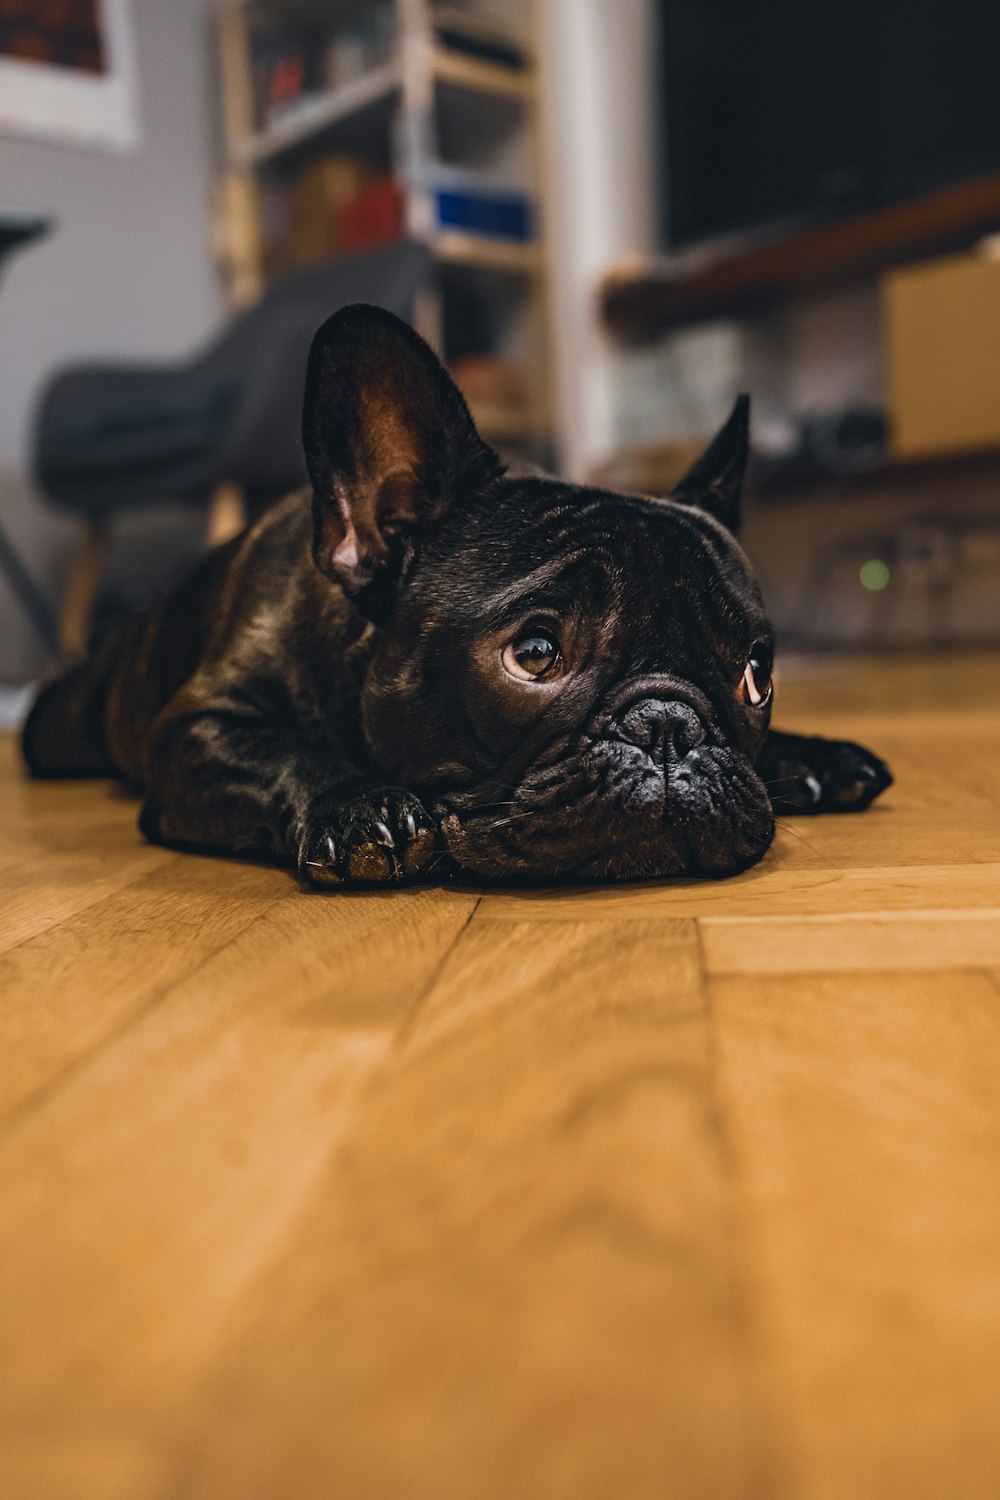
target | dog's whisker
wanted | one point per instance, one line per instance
(502, 823)
(778, 823)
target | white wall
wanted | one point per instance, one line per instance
(597, 59)
(126, 272)
(127, 269)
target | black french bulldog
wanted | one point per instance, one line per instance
(427, 656)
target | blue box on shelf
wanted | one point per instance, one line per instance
(501, 215)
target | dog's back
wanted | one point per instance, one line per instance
(69, 731)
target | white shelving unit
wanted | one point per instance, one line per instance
(425, 110)
(316, 115)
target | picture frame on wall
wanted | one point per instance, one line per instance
(68, 72)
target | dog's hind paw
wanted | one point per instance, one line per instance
(382, 836)
(806, 774)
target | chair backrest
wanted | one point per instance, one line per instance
(265, 350)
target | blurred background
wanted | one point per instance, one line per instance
(609, 217)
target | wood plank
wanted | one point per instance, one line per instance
(235, 76)
(34, 1467)
(524, 1276)
(65, 846)
(146, 1194)
(69, 989)
(643, 300)
(455, 247)
(770, 889)
(866, 1119)
(925, 687)
(849, 943)
(474, 73)
(38, 893)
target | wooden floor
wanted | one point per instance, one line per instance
(672, 1191)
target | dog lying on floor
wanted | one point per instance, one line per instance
(422, 655)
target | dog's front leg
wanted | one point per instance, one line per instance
(806, 774)
(230, 777)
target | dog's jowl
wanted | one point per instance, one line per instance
(426, 662)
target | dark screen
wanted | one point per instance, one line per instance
(795, 111)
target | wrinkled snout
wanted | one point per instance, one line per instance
(649, 788)
(663, 730)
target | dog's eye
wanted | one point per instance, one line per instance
(757, 685)
(532, 656)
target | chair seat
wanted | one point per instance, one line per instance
(100, 422)
(110, 437)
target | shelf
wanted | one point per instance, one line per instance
(656, 468)
(482, 77)
(320, 113)
(471, 251)
(453, 248)
(642, 302)
(433, 117)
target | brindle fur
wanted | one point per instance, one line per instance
(323, 691)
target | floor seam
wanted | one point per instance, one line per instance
(28, 1106)
(413, 1015)
(760, 1397)
(80, 911)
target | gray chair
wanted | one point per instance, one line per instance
(221, 430)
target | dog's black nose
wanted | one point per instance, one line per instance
(652, 725)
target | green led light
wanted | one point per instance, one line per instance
(874, 575)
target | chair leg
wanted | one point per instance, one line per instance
(227, 514)
(86, 571)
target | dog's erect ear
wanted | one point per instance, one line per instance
(714, 483)
(389, 445)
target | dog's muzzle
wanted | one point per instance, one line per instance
(647, 788)
(662, 730)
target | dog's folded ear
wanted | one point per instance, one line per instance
(715, 482)
(389, 446)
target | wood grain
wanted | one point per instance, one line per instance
(536, 1281)
(51, 1013)
(866, 1118)
(681, 1189)
(141, 1196)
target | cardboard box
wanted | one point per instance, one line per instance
(942, 336)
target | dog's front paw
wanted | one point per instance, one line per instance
(811, 775)
(379, 837)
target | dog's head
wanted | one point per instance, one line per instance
(577, 681)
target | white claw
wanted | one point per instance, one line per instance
(814, 787)
(384, 836)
